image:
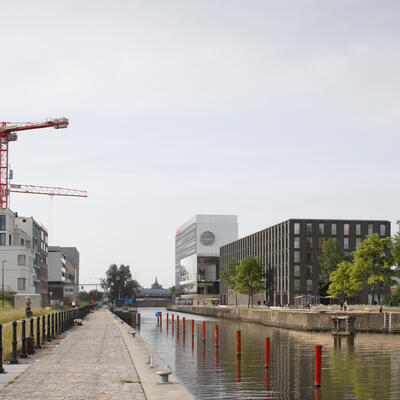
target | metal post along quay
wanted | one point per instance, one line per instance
(23, 340)
(38, 345)
(14, 359)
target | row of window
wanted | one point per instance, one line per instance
(346, 229)
(321, 241)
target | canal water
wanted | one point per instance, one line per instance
(367, 367)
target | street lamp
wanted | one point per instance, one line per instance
(2, 284)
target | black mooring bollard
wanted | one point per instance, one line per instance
(31, 334)
(43, 329)
(38, 346)
(48, 336)
(14, 359)
(52, 326)
(23, 341)
(56, 322)
(1, 350)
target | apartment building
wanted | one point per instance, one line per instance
(290, 250)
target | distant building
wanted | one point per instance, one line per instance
(290, 250)
(23, 248)
(63, 273)
(197, 244)
(156, 296)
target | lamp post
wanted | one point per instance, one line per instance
(2, 283)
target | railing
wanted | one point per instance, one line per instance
(48, 327)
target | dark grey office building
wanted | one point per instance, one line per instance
(290, 250)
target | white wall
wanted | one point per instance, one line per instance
(224, 228)
(54, 266)
(13, 271)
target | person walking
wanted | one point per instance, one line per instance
(345, 305)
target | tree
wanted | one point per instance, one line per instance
(228, 275)
(341, 282)
(396, 247)
(119, 282)
(373, 263)
(249, 277)
(331, 256)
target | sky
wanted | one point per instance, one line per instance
(262, 109)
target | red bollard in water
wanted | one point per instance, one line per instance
(183, 324)
(238, 344)
(204, 331)
(216, 336)
(160, 318)
(266, 352)
(317, 375)
(167, 319)
(172, 319)
(177, 322)
(192, 327)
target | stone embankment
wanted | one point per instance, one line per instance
(306, 320)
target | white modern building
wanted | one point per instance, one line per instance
(197, 245)
(63, 273)
(17, 257)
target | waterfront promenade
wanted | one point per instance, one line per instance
(94, 361)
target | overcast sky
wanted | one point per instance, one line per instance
(264, 109)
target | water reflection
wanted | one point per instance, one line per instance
(364, 367)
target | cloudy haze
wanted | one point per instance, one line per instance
(264, 109)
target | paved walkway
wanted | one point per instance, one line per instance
(92, 362)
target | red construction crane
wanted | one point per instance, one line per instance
(8, 134)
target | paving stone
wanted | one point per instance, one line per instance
(92, 362)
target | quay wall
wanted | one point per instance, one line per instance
(306, 320)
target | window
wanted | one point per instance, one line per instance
(333, 229)
(297, 228)
(21, 283)
(296, 243)
(2, 222)
(9, 240)
(370, 229)
(321, 242)
(2, 239)
(383, 230)
(358, 241)
(297, 284)
(346, 243)
(309, 243)
(22, 242)
(321, 229)
(358, 229)
(309, 257)
(297, 270)
(309, 229)
(296, 256)
(309, 285)
(21, 260)
(346, 229)
(309, 271)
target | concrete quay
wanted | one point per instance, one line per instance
(305, 320)
(99, 360)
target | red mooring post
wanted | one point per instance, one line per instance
(266, 352)
(160, 318)
(238, 344)
(192, 328)
(172, 320)
(317, 375)
(216, 336)
(183, 324)
(204, 331)
(167, 319)
(177, 322)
